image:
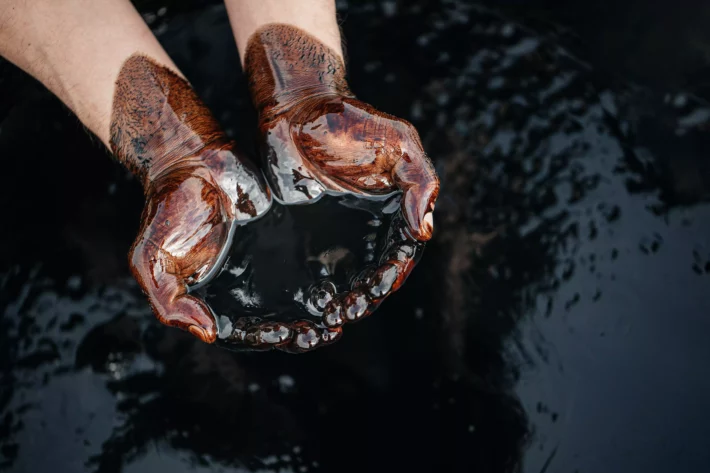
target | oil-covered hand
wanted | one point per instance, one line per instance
(318, 138)
(197, 189)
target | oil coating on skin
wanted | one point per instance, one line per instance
(317, 137)
(196, 186)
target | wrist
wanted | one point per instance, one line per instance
(158, 124)
(285, 65)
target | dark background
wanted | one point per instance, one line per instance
(557, 322)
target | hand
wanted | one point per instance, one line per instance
(197, 189)
(318, 138)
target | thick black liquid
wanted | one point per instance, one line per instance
(280, 263)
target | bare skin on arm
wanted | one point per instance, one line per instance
(317, 17)
(76, 48)
(93, 54)
(100, 58)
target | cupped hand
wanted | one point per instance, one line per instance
(197, 187)
(317, 137)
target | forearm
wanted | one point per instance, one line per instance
(76, 49)
(316, 17)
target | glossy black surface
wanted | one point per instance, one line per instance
(278, 262)
(558, 320)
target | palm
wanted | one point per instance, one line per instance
(342, 145)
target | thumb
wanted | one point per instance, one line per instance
(167, 291)
(414, 174)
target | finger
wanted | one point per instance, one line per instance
(399, 257)
(375, 284)
(308, 336)
(257, 334)
(414, 174)
(294, 337)
(167, 292)
(348, 307)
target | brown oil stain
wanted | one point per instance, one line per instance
(317, 137)
(197, 185)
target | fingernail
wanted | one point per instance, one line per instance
(306, 338)
(428, 225)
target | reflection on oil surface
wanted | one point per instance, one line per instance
(557, 321)
(276, 261)
(294, 277)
